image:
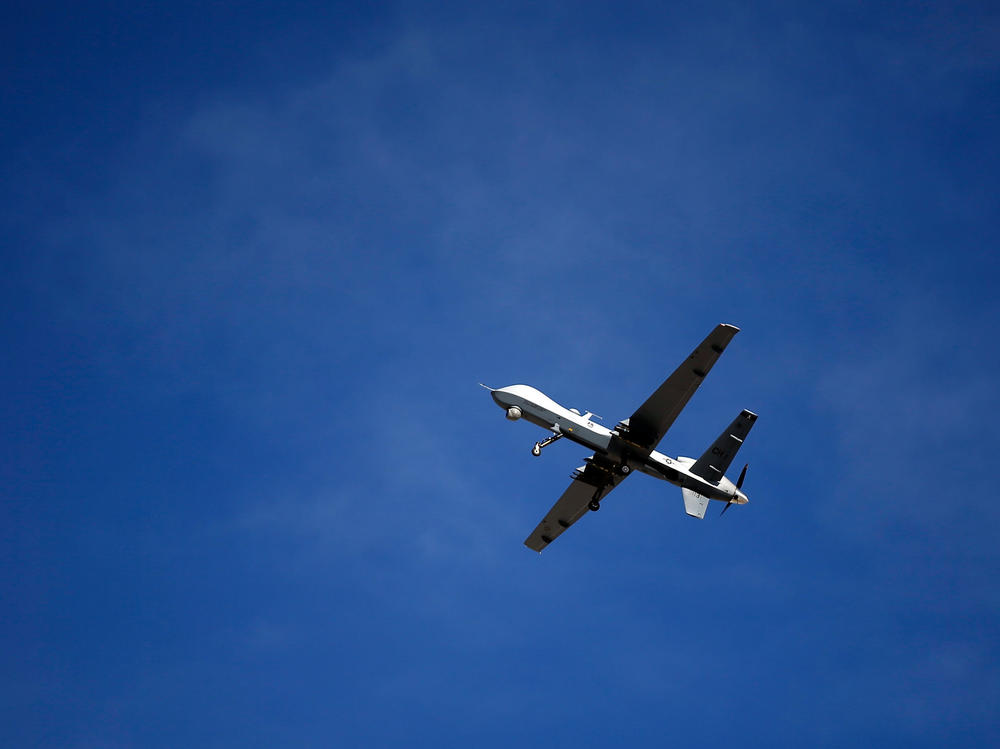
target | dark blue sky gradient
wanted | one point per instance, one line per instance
(258, 256)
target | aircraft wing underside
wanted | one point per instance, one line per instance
(653, 418)
(594, 481)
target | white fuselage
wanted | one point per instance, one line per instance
(524, 401)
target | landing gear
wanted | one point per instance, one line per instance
(595, 501)
(536, 449)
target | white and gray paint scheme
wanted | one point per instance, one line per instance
(631, 444)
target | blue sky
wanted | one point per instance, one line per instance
(258, 256)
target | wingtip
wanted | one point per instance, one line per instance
(534, 545)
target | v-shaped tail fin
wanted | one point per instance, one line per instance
(713, 464)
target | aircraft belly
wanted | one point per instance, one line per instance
(589, 439)
(678, 475)
(538, 421)
(568, 427)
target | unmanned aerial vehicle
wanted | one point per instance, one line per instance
(631, 445)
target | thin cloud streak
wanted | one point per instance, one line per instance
(270, 323)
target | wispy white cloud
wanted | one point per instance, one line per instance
(911, 401)
(336, 263)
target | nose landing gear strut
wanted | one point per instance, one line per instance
(536, 450)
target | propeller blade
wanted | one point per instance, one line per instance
(728, 505)
(743, 475)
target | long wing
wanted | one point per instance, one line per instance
(590, 482)
(653, 418)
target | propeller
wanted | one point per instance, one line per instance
(739, 483)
